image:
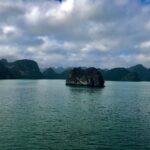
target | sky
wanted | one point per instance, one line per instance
(97, 33)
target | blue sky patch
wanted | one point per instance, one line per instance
(145, 1)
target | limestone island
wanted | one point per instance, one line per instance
(90, 77)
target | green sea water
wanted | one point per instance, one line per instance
(48, 115)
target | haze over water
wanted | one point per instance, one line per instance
(47, 114)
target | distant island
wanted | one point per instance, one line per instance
(29, 69)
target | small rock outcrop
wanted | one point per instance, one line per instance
(85, 77)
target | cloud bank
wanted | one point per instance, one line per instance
(100, 33)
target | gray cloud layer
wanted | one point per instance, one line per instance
(101, 33)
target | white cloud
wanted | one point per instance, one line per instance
(67, 6)
(74, 33)
(9, 52)
(144, 45)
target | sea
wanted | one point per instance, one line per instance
(48, 115)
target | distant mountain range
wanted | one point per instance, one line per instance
(135, 73)
(29, 69)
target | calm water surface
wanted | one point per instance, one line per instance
(47, 115)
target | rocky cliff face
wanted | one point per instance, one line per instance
(26, 69)
(85, 77)
(21, 69)
(5, 73)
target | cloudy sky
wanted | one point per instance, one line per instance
(100, 33)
